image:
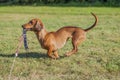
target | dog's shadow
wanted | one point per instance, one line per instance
(26, 55)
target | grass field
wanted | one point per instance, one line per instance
(98, 57)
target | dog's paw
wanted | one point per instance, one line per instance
(54, 57)
(67, 54)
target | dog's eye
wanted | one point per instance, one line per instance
(30, 22)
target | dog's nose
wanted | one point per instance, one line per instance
(22, 26)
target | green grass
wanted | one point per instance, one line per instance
(98, 57)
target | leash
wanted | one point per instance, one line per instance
(19, 45)
(12, 67)
(22, 38)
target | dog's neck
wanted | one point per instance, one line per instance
(41, 35)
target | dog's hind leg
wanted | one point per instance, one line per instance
(75, 48)
(76, 40)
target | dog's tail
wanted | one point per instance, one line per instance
(96, 20)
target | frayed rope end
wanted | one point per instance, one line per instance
(16, 54)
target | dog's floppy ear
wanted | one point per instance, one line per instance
(38, 26)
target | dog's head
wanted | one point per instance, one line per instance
(33, 25)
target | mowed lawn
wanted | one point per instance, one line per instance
(98, 57)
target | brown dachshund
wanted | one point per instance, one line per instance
(52, 41)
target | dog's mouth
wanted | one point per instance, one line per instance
(28, 29)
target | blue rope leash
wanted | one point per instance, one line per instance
(25, 39)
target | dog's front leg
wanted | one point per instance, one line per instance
(56, 54)
(49, 53)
